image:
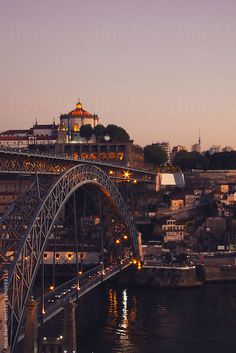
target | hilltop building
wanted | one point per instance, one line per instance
(166, 147)
(70, 124)
(64, 138)
(177, 149)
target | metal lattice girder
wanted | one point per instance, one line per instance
(15, 161)
(30, 163)
(28, 224)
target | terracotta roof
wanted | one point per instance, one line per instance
(79, 111)
(13, 138)
(14, 132)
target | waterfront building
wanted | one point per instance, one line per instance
(173, 231)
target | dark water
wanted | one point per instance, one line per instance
(144, 320)
(135, 320)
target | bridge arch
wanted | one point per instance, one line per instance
(30, 247)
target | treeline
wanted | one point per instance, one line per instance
(113, 132)
(194, 160)
(187, 161)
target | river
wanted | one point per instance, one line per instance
(114, 319)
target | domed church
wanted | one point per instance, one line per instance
(71, 122)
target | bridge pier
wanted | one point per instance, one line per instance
(69, 336)
(3, 324)
(31, 327)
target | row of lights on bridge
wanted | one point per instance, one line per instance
(133, 261)
(126, 175)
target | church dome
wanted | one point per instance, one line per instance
(79, 111)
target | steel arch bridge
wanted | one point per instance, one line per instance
(27, 224)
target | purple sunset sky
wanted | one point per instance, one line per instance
(162, 69)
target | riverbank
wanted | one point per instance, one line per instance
(177, 276)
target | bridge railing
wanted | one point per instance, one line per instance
(64, 157)
(53, 308)
(71, 291)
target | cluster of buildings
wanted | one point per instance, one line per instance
(217, 149)
(64, 138)
(170, 153)
(173, 230)
(203, 218)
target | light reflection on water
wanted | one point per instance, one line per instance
(145, 320)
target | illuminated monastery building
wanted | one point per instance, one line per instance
(65, 138)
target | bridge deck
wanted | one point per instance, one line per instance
(54, 300)
(30, 162)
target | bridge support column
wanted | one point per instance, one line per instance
(31, 327)
(69, 337)
(3, 324)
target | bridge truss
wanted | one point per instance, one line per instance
(26, 226)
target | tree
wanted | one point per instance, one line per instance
(99, 131)
(190, 160)
(154, 154)
(117, 133)
(223, 160)
(86, 131)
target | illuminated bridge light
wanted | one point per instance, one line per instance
(127, 174)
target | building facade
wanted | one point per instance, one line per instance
(173, 231)
(166, 147)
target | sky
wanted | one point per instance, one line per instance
(162, 69)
